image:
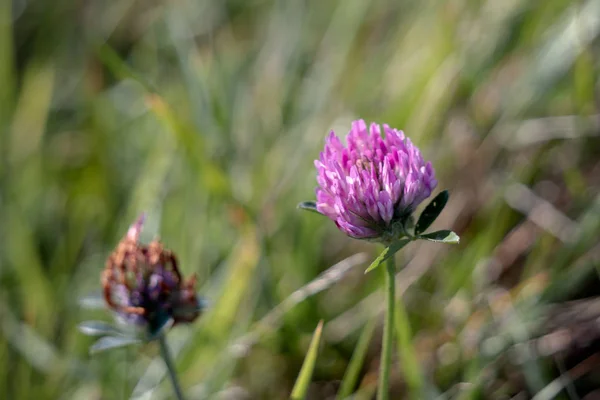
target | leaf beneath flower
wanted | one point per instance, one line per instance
(112, 342)
(387, 253)
(431, 212)
(443, 236)
(97, 328)
(309, 206)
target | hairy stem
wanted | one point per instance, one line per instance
(166, 355)
(388, 331)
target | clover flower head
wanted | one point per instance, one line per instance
(143, 285)
(370, 186)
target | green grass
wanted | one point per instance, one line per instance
(208, 115)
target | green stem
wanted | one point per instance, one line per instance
(388, 330)
(166, 355)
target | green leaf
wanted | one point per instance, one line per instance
(305, 376)
(387, 253)
(97, 328)
(444, 236)
(309, 206)
(356, 363)
(431, 212)
(112, 342)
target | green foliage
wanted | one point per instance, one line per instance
(352, 373)
(308, 206)
(431, 212)
(443, 236)
(304, 378)
(208, 116)
(388, 252)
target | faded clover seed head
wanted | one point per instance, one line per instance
(370, 186)
(143, 285)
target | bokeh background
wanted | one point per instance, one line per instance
(207, 115)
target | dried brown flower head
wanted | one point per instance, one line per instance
(143, 285)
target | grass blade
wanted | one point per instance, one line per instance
(358, 358)
(7, 79)
(304, 378)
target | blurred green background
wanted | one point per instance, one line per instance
(208, 115)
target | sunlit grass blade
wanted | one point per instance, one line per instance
(7, 81)
(111, 59)
(305, 376)
(366, 392)
(32, 110)
(356, 363)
